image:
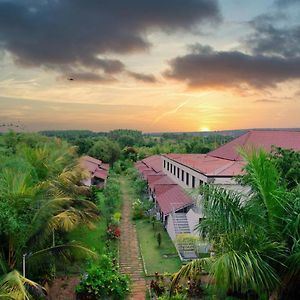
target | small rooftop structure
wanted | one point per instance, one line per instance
(97, 169)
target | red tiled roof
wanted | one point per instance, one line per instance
(258, 139)
(208, 165)
(92, 160)
(101, 174)
(154, 162)
(89, 166)
(171, 198)
(105, 166)
(226, 161)
(95, 167)
(162, 188)
(161, 179)
(147, 172)
(142, 168)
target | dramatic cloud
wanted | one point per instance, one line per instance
(149, 78)
(267, 39)
(69, 34)
(206, 68)
(282, 3)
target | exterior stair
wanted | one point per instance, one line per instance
(181, 226)
(181, 223)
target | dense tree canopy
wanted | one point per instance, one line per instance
(41, 198)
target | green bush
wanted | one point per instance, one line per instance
(140, 208)
(137, 210)
(103, 281)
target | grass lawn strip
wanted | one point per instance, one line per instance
(163, 259)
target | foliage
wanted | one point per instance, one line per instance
(256, 244)
(158, 284)
(116, 217)
(14, 286)
(158, 238)
(140, 209)
(103, 281)
(41, 199)
(113, 232)
(105, 150)
(287, 162)
(135, 145)
(137, 210)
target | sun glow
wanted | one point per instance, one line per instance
(204, 129)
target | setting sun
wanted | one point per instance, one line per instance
(204, 129)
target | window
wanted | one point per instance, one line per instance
(164, 164)
(178, 172)
(171, 167)
(187, 178)
(182, 175)
(174, 170)
(193, 181)
(168, 166)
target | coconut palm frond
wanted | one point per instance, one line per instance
(244, 271)
(65, 252)
(223, 212)
(69, 219)
(193, 269)
(264, 180)
(14, 286)
(247, 259)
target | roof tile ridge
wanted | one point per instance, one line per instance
(227, 166)
(248, 134)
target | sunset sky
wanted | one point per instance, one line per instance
(159, 65)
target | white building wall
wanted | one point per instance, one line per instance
(187, 170)
(170, 228)
(193, 220)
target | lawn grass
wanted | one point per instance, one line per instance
(163, 259)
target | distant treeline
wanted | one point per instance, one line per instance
(134, 145)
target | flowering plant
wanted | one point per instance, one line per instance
(113, 231)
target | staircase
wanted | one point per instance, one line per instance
(181, 226)
(181, 223)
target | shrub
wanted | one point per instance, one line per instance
(113, 232)
(158, 285)
(137, 210)
(158, 238)
(116, 217)
(103, 281)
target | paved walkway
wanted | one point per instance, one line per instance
(130, 259)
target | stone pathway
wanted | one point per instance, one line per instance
(130, 259)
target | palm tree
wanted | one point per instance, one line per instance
(40, 194)
(256, 243)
